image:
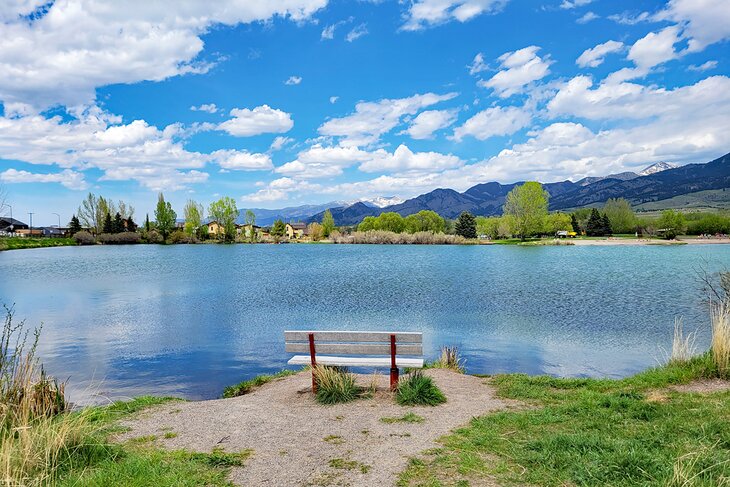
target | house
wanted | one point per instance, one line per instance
(10, 225)
(295, 231)
(215, 229)
(246, 229)
(55, 231)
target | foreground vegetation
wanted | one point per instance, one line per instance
(14, 243)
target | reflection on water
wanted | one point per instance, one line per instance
(189, 320)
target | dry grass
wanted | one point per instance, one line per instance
(335, 385)
(720, 345)
(384, 237)
(449, 359)
(683, 346)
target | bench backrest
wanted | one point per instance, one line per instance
(354, 342)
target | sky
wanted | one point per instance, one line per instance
(287, 102)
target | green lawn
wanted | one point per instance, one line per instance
(13, 243)
(587, 432)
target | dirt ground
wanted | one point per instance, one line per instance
(298, 442)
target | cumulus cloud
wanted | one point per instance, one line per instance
(260, 120)
(68, 178)
(493, 122)
(210, 108)
(704, 22)
(651, 50)
(587, 17)
(279, 142)
(430, 121)
(628, 18)
(242, 160)
(404, 160)
(595, 56)
(62, 56)
(478, 65)
(373, 119)
(703, 67)
(333, 99)
(519, 68)
(356, 33)
(293, 80)
(427, 13)
(569, 4)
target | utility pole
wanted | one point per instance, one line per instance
(30, 233)
(59, 222)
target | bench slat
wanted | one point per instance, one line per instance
(414, 363)
(355, 348)
(354, 336)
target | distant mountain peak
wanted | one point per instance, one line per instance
(383, 201)
(658, 167)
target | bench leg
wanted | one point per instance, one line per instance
(393, 378)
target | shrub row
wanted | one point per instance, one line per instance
(384, 237)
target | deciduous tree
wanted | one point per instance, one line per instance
(277, 230)
(527, 205)
(193, 213)
(165, 217)
(621, 215)
(225, 212)
(328, 223)
(672, 223)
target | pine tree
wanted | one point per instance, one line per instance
(147, 223)
(118, 224)
(108, 226)
(594, 227)
(574, 223)
(606, 225)
(466, 225)
(74, 226)
(130, 225)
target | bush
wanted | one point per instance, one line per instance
(84, 238)
(417, 389)
(384, 237)
(449, 359)
(335, 385)
(124, 238)
(180, 237)
(154, 237)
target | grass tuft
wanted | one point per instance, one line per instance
(249, 385)
(449, 359)
(406, 418)
(335, 385)
(416, 389)
(683, 346)
(720, 345)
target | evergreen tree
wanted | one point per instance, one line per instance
(108, 226)
(606, 224)
(130, 225)
(594, 227)
(147, 223)
(574, 223)
(278, 229)
(466, 225)
(118, 224)
(74, 225)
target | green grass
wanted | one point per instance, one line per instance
(406, 418)
(248, 385)
(589, 432)
(15, 243)
(418, 389)
(343, 464)
(336, 385)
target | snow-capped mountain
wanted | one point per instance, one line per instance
(383, 201)
(658, 167)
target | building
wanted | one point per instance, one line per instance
(55, 231)
(295, 231)
(246, 229)
(11, 225)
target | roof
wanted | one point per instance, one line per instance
(6, 220)
(298, 226)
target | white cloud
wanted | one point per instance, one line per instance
(429, 121)
(322, 162)
(478, 65)
(242, 160)
(403, 160)
(356, 33)
(279, 142)
(427, 13)
(519, 68)
(628, 18)
(210, 108)
(328, 32)
(260, 120)
(705, 22)
(79, 45)
(293, 80)
(333, 99)
(594, 56)
(495, 121)
(68, 178)
(373, 119)
(569, 4)
(703, 67)
(655, 48)
(587, 17)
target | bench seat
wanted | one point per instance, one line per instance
(413, 363)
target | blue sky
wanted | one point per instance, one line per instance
(287, 102)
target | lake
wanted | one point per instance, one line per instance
(189, 320)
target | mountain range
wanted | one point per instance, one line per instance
(660, 181)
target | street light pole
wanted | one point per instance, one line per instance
(30, 233)
(59, 222)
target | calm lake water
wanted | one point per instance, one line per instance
(189, 320)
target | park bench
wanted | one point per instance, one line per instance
(364, 349)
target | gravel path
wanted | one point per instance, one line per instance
(299, 442)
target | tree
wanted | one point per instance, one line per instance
(595, 225)
(488, 226)
(165, 217)
(557, 222)
(574, 223)
(367, 224)
(108, 226)
(74, 225)
(621, 215)
(672, 223)
(251, 222)
(391, 222)
(606, 225)
(277, 230)
(193, 213)
(328, 223)
(130, 225)
(88, 213)
(315, 231)
(466, 225)
(118, 224)
(147, 223)
(424, 221)
(527, 205)
(225, 212)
